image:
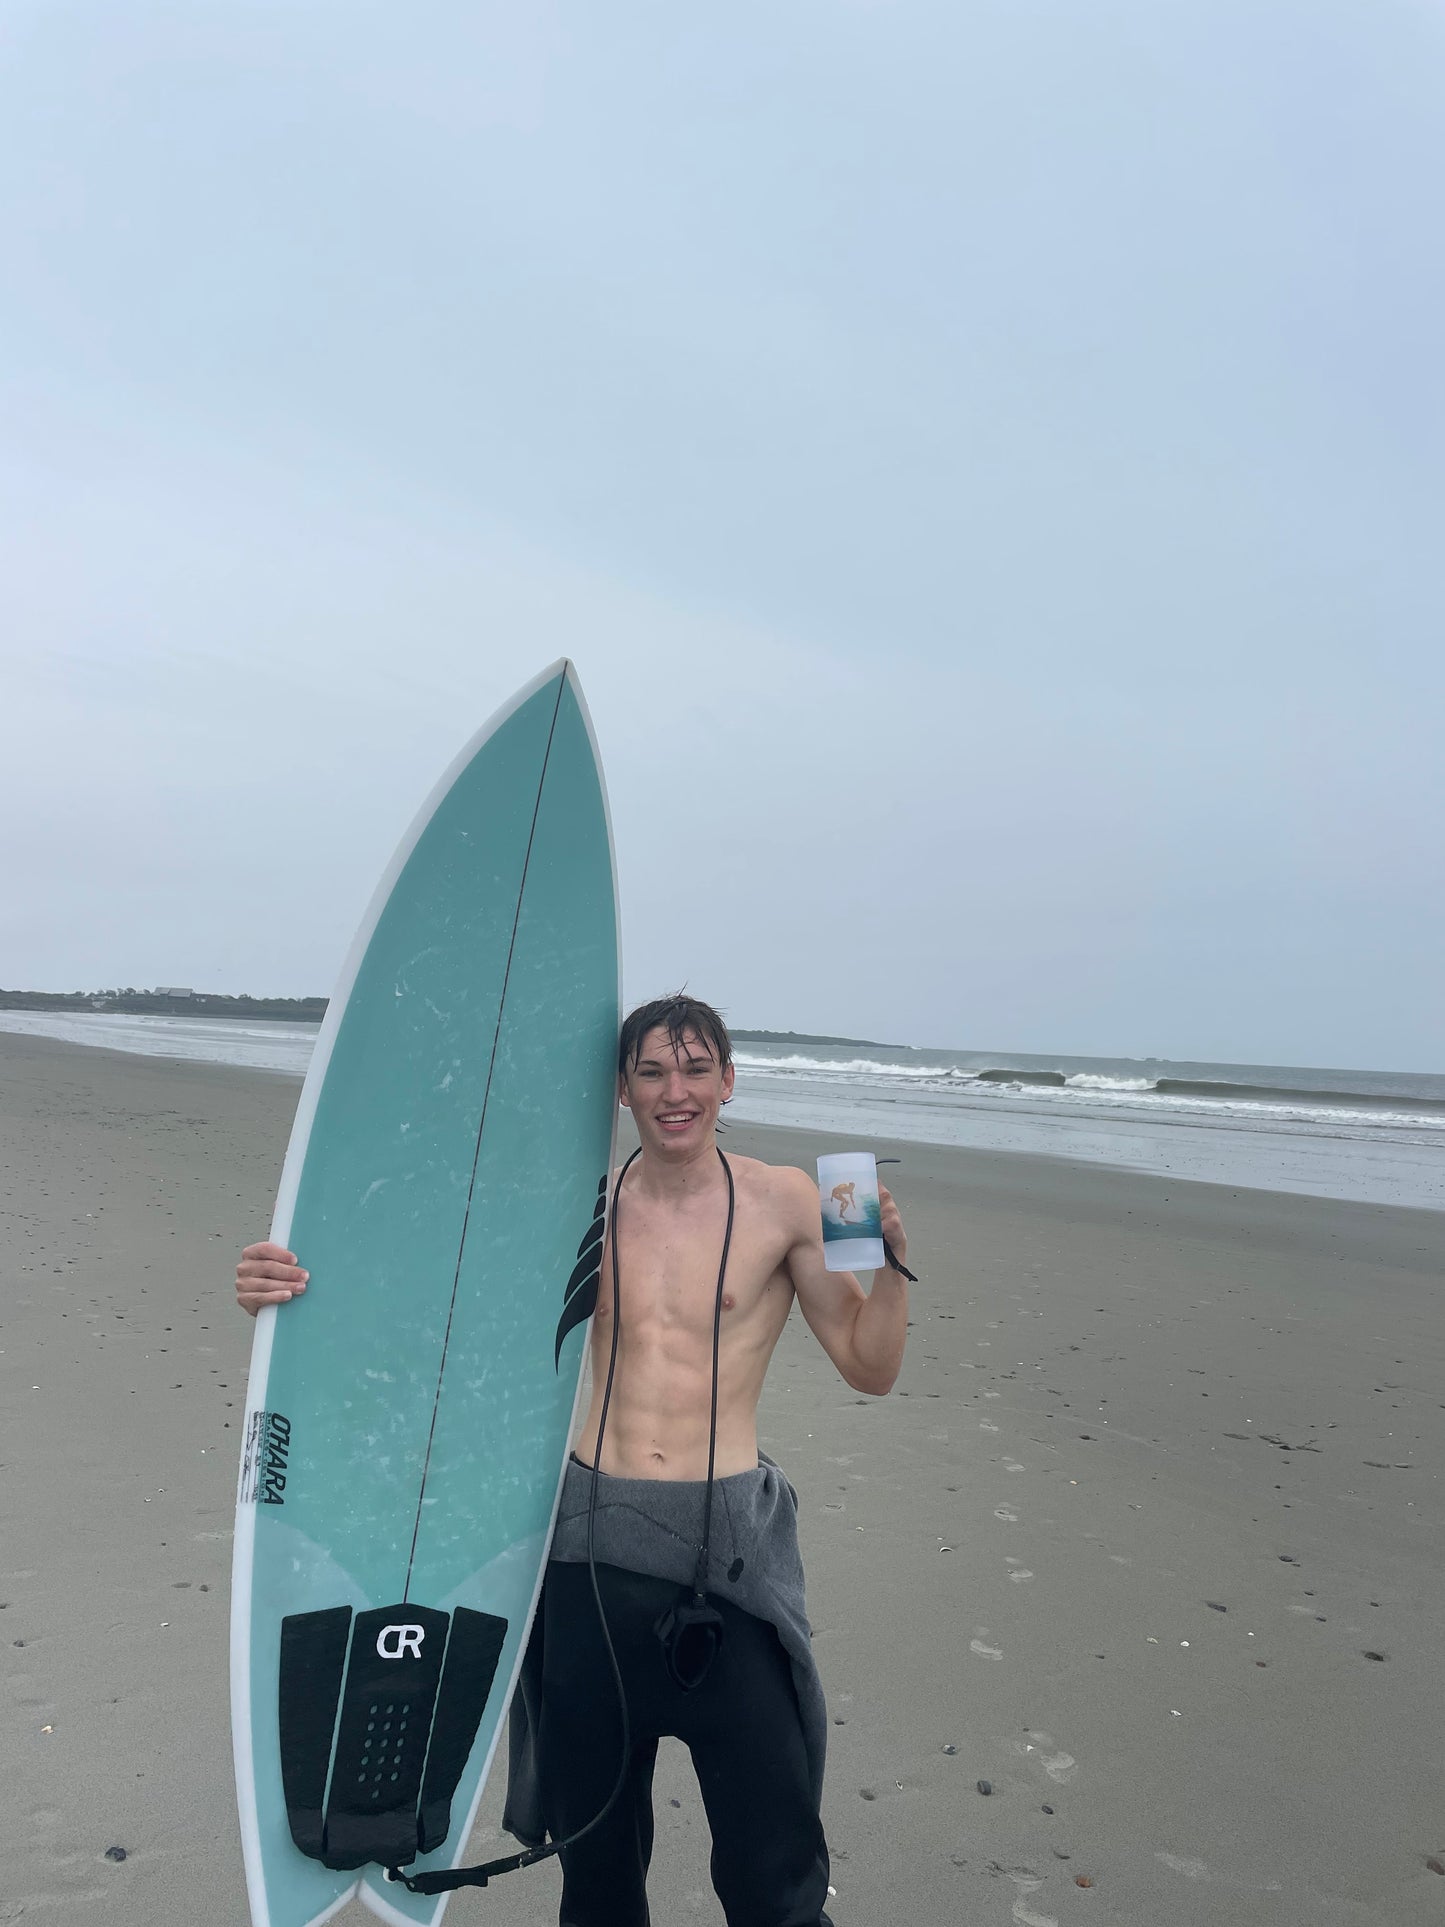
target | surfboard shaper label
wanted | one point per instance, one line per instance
(265, 1459)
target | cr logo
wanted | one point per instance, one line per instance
(395, 1642)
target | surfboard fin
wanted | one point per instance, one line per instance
(375, 1732)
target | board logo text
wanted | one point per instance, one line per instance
(263, 1466)
(395, 1642)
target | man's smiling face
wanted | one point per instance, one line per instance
(675, 1093)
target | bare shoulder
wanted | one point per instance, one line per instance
(782, 1190)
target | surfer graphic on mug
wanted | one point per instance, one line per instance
(705, 1255)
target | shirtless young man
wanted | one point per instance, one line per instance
(754, 1723)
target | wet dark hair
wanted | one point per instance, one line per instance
(680, 1014)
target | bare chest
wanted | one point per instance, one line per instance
(670, 1266)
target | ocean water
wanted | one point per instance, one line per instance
(1377, 1136)
(255, 1043)
(1368, 1135)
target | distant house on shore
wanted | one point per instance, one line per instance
(162, 990)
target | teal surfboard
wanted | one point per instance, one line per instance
(408, 1417)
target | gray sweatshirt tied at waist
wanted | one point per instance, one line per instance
(654, 1527)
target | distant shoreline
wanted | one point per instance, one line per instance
(163, 1003)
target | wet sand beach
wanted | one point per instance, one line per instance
(1149, 1535)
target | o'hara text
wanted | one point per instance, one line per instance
(263, 1464)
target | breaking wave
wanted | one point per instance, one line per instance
(1288, 1094)
(1111, 1088)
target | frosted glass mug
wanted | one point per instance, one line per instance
(852, 1215)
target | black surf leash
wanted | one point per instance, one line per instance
(894, 1262)
(690, 1632)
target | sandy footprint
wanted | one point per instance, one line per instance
(1191, 1869)
(1022, 1912)
(985, 1652)
(1012, 1465)
(1061, 1767)
(984, 1426)
(1002, 1512)
(72, 1896)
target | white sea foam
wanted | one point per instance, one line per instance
(870, 1067)
(1097, 1081)
(249, 1043)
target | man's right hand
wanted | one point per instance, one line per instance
(267, 1275)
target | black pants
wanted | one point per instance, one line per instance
(741, 1725)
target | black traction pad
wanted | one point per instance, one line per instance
(403, 1706)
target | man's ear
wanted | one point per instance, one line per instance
(622, 1097)
(729, 1077)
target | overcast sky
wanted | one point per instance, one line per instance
(986, 458)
